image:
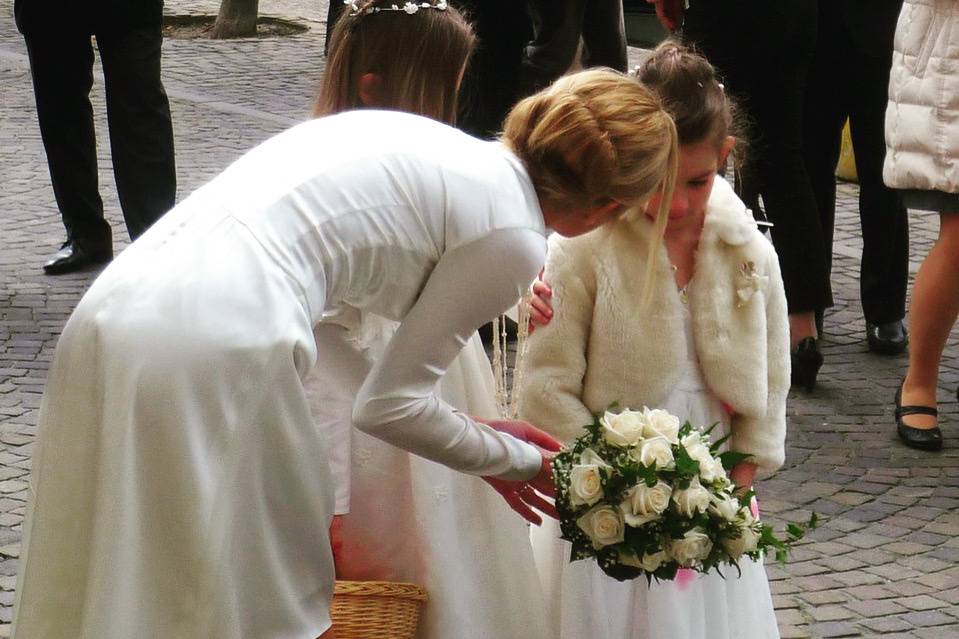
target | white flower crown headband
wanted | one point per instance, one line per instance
(409, 8)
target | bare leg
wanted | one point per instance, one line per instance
(932, 314)
(801, 326)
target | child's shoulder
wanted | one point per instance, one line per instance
(730, 222)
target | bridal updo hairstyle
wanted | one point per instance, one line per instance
(418, 57)
(596, 136)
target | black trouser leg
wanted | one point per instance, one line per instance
(62, 70)
(491, 83)
(763, 51)
(825, 110)
(557, 28)
(604, 35)
(141, 131)
(885, 226)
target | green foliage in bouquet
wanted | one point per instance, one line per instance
(646, 496)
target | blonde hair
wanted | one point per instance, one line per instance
(596, 136)
(417, 57)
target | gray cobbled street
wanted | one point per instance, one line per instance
(886, 560)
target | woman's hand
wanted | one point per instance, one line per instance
(525, 496)
(743, 474)
(540, 308)
(670, 12)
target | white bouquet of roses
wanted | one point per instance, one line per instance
(644, 495)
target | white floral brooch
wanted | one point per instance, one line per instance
(751, 281)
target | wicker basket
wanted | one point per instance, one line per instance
(376, 609)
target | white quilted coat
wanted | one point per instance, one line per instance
(922, 118)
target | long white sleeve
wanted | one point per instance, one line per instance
(469, 286)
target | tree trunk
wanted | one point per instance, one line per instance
(236, 19)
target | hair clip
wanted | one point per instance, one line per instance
(409, 8)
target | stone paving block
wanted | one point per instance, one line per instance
(824, 597)
(791, 616)
(831, 613)
(925, 564)
(906, 548)
(921, 602)
(892, 571)
(941, 632)
(877, 607)
(830, 629)
(928, 618)
(784, 602)
(843, 563)
(870, 592)
(885, 625)
(793, 632)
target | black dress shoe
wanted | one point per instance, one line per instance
(888, 338)
(73, 257)
(921, 438)
(806, 361)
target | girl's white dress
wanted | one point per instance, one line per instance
(582, 601)
(412, 520)
(180, 487)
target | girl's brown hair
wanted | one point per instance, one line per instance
(417, 57)
(687, 84)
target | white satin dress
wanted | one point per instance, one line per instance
(582, 601)
(180, 487)
(409, 519)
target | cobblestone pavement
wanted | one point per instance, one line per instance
(885, 561)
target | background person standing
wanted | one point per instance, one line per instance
(849, 78)
(129, 38)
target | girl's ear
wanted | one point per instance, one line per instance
(727, 146)
(369, 89)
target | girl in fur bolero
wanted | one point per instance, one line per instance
(698, 325)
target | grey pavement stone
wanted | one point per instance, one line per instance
(888, 551)
(831, 629)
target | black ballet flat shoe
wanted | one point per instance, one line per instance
(921, 438)
(888, 338)
(806, 361)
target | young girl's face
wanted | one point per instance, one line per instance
(698, 164)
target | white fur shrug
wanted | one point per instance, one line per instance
(601, 347)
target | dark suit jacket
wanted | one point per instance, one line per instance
(90, 16)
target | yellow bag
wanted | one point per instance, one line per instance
(846, 168)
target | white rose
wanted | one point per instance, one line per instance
(603, 525)
(648, 562)
(656, 450)
(623, 429)
(693, 499)
(585, 481)
(747, 541)
(644, 503)
(590, 457)
(585, 485)
(659, 423)
(697, 449)
(711, 470)
(727, 508)
(694, 546)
